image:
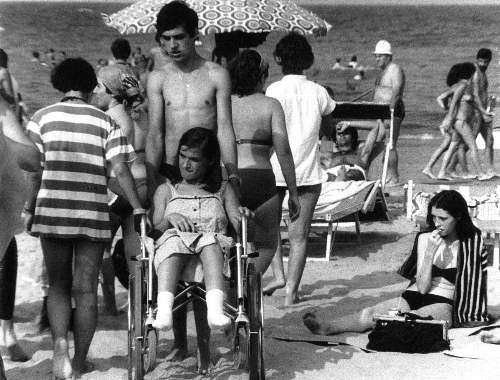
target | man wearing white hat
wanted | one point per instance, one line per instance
(389, 88)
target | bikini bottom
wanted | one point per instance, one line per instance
(418, 300)
(257, 187)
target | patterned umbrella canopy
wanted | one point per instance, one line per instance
(220, 16)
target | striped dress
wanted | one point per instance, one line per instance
(79, 144)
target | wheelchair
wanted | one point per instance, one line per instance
(246, 314)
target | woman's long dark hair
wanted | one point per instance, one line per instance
(454, 204)
(206, 141)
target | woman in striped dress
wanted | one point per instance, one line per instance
(80, 145)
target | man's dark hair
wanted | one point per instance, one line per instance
(246, 70)
(121, 49)
(73, 74)
(460, 71)
(176, 14)
(4, 59)
(295, 53)
(484, 53)
(353, 132)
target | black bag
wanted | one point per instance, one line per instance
(408, 333)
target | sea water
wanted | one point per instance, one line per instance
(426, 40)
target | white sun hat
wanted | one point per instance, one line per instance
(383, 47)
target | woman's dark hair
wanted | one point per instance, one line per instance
(246, 70)
(206, 141)
(353, 132)
(176, 14)
(73, 74)
(454, 204)
(295, 53)
(484, 53)
(460, 71)
(121, 49)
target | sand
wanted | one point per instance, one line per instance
(359, 275)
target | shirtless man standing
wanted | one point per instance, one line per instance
(480, 90)
(187, 92)
(389, 88)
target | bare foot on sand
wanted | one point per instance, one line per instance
(468, 176)
(444, 177)
(291, 299)
(61, 365)
(204, 364)
(485, 177)
(177, 354)
(272, 286)
(492, 337)
(428, 173)
(80, 369)
(313, 324)
(15, 353)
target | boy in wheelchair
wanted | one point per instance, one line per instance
(193, 211)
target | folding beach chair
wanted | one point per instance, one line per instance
(338, 201)
(369, 193)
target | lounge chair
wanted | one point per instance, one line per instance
(337, 201)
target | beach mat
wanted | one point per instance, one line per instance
(319, 340)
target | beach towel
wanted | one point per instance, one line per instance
(469, 305)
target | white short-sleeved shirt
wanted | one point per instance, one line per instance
(304, 103)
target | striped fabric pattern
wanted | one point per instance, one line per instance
(78, 143)
(470, 287)
(469, 300)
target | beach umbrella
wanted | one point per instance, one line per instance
(224, 16)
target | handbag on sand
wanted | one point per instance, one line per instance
(409, 333)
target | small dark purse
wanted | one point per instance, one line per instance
(409, 333)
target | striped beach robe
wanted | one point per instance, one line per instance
(469, 303)
(79, 143)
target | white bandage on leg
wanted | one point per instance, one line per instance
(215, 309)
(163, 318)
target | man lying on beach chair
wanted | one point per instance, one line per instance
(346, 158)
(344, 148)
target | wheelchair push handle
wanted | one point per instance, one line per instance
(243, 229)
(140, 221)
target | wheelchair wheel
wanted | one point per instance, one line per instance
(150, 347)
(240, 347)
(138, 316)
(130, 330)
(256, 316)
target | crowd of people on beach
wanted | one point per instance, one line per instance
(469, 113)
(147, 136)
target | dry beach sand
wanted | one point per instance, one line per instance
(360, 275)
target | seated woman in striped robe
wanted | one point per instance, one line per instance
(442, 260)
